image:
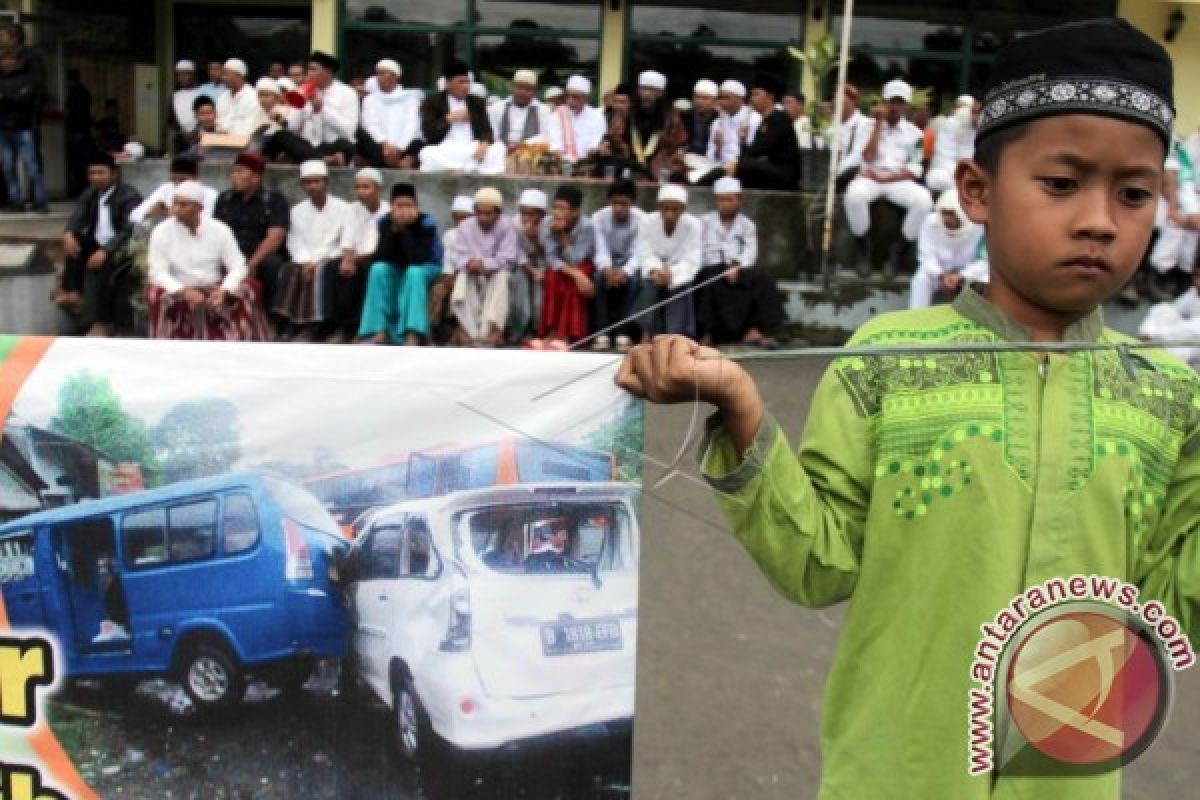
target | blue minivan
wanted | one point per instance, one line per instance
(207, 581)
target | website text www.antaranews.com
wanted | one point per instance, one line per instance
(1038, 598)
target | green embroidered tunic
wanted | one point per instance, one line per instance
(929, 491)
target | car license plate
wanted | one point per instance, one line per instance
(569, 638)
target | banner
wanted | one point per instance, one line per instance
(306, 571)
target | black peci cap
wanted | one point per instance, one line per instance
(1099, 66)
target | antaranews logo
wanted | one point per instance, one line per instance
(1073, 677)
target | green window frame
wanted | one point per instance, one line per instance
(469, 29)
(633, 38)
(966, 56)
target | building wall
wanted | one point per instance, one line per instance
(1151, 16)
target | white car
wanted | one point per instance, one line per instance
(474, 620)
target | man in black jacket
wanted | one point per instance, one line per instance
(456, 129)
(96, 242)
(772, 159)
(259, 218)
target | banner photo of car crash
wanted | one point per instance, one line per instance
(236, 570)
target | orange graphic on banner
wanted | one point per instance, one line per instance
(14, 371)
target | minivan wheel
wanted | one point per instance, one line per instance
(414, 734)
(212, 678)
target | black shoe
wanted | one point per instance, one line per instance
(42, 209)
(14, 208)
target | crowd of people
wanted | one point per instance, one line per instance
(304, 112)
(242, 265)
(553, 287)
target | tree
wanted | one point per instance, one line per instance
(90, 411)
(197, 439)
(623, 436)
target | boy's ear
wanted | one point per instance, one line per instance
(974, 190)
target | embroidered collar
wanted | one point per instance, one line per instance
(972, 305)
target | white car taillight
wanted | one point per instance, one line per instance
(458, 627)
(298, 561)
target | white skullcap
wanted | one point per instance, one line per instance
(727, 185)
(389, 65)
(441, 84)
(267, 85)
(479, 90)
(652, 80)
(489, 196)
(184, 65)
(949, 202)
(553, 92)
(964, 101)
(236, 65)
(533, 198)
(897, 89)
(135, 150)
(191, 191)
(525, 76)
(578, 83)
(682, 104)
(672, 193)
(706, 88)
(286, 84)
(463, 204)
(734, 87)
(314, 169)
(370, 174)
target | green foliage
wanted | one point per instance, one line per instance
(198, 439)
(623, 436)
(90, 411)
(821, 57)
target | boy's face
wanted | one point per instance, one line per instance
(367, 192)
(1069, 213)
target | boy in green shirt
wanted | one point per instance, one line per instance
(930, 490)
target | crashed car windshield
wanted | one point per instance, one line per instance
(550, 538)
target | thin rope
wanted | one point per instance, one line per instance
(910, 350)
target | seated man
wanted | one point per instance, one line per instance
(734, 125)
(315, 239)
(456, 129)
(891, 169)
(770, 159)
(205, 110)
(326, 125)
(486, 252)
(954, 142)
(569, 243)
(197, 281)
(95, 244)
(743, 306)
(406, 262)
(617, 279)
(576, 127)
(525, 295)
(344, 287)
(157, 205)
(1178, 223)
(238, 111)
(950, 253)
(441, 316)
(670, 247)
(259, 219)
(521, 117)
(699, 119)
(391, 120)
(1179, 319)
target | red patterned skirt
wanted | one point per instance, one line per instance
(564, 308)
(241, 319)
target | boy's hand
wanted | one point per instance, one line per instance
(675, 369)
